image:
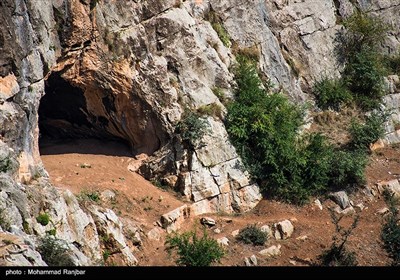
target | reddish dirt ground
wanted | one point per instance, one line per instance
(143, 202)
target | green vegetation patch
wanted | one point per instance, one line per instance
(194, 250)
(390, 233)
(252, 235)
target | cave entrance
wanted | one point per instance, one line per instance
(66, 126)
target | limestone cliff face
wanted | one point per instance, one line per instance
(128, 69)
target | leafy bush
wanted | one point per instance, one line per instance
(358, 48)
(252, 235)
(5, 165)
(331, 94)
(364, 75)
(264, 129)
(362, 31)
(262, 126)
(347, 169)
(54, 251)
(191, 128)
(52, 232)
(391, 232)
(193, 250)
(337, 254)
(43, 219)
(362, 135)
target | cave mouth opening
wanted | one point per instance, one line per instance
(66, 126)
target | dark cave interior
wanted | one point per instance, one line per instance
(64, 118)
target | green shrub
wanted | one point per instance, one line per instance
(106, 255)
(43, 219)
(309, 173)
(252, 235)
(217, 25)
(364, 75)
(5, 165)
(222, 33)
(358, 48)
(52, 232)
(347, 169)
(362, 31)
(54, 251)
(390, 233)
(264, 129)
(262, 126)
(192, 128)
(362, 135)
(338, 254)
(331, 94)
(193, 250)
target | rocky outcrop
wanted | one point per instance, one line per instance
(81, 230)
(110, 228)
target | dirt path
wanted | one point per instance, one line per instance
(90, 165)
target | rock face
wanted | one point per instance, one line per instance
(127, 70)
(81, 230)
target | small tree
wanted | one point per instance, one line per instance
(358, 48)
(193, 250)
(337, 254)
